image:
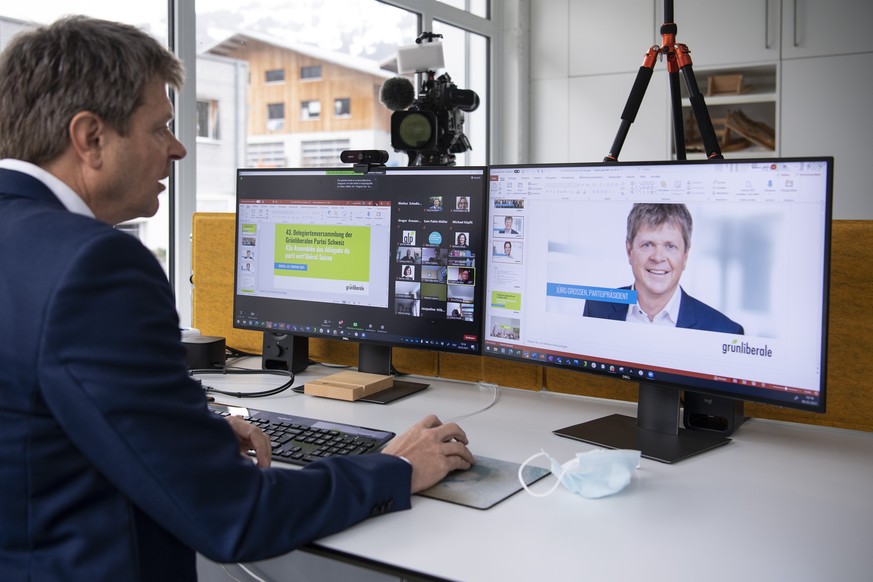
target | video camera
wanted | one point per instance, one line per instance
(430, 128)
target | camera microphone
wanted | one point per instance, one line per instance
(397, 93)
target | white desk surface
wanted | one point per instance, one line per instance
(782, 501)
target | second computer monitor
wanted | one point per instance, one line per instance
(705, 276)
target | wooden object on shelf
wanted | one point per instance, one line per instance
(727, 140)
(725, 84)
(756, 132)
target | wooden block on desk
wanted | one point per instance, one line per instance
(348, 385)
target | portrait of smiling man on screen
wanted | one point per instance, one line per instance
(658, 241)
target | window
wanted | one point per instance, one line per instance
(133, 228)
(363, 30)
(275, 116)
(275, 76)
(342, 107)
(15, 17)
(310, 110)
(322, 154)
(316, 61)
(477, 7)
(311, 73)
(266, 155)
(207, 119)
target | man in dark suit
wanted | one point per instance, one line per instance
(112, 467)
(507, 226)
(657, 243)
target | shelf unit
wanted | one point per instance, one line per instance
(743, 109)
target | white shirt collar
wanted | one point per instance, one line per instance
(71, 201)
(668, 316)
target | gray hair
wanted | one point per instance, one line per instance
(654, 215)
(51, 73)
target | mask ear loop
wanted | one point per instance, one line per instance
(524, 484)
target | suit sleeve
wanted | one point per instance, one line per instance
(113, 373)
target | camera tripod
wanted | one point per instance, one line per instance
(678, 60)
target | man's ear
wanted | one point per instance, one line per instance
(87, 137)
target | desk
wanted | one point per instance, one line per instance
(783, 501)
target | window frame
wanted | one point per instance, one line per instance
(269, 81)
(306, 113)
(346, 108)
(307, 78)
(276, 123)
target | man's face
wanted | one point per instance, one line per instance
(657, 257)
(507, 248)
(136, 164)
(507, 222)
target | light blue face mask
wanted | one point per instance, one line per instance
(592, 474)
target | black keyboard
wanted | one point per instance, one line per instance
(300, 440)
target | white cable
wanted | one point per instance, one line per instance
(250, 573)
(229, 575)
(495, 397)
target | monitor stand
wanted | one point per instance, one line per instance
(376, 359)
(655, 432)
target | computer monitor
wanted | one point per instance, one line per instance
(719, 290)
(388, 257)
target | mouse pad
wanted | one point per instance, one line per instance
(486, 484)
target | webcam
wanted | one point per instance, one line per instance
(364, 156)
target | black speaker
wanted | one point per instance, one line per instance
(285, 352)
(204, 352)
(712, 413)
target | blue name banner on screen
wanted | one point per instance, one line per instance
(605, 294)
(290, 267)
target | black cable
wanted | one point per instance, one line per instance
(227, 370)
(236, 353)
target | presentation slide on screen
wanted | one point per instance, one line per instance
(321, 254)
(745, 302)
(331, 259)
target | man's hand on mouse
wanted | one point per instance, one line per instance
(434, 449)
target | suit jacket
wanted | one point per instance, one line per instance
(112, 468)
(693, 314)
